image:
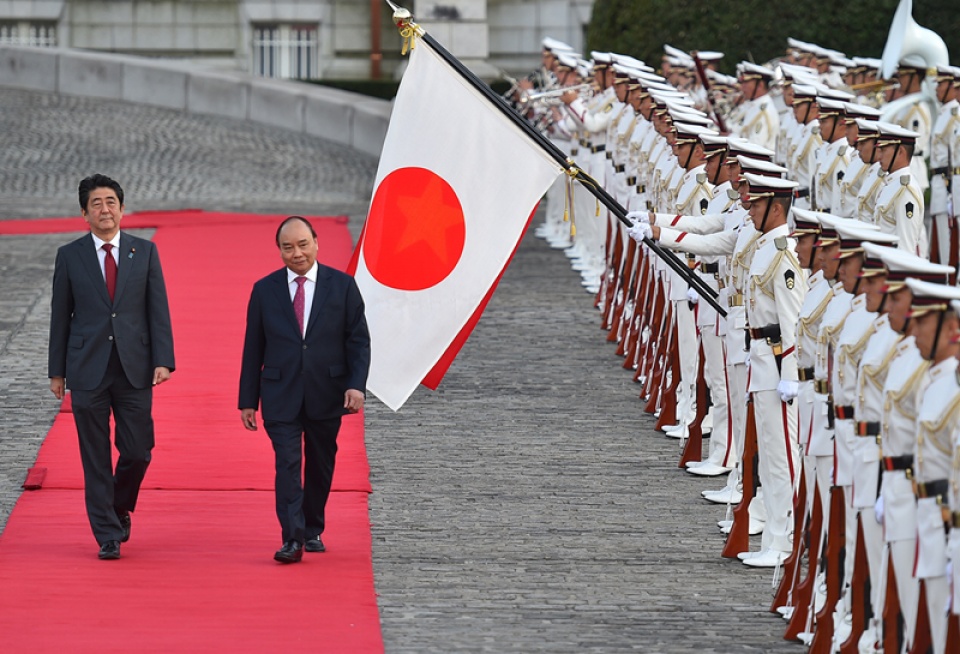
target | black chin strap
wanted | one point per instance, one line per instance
(686, 164)
(936, 336)
(883, 302)
(894, 158)
(766, 213)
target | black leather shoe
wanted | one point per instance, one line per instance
(314, 544)
(110, 550)
(125, 523)
(291, 552)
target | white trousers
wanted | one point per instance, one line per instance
(779, 466)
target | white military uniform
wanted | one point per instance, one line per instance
(774, 294)
(941, 161)
(905, 380)
(899, 211)
(938, 419)
(758, 122)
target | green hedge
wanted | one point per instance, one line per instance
(385, 89)
(757, 30)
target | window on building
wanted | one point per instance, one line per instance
(40, 34)
(285, 51)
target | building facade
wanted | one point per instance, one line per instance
(298, 39)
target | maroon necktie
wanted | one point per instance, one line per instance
(110, 270)
(298, 302)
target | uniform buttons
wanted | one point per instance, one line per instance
(304, 347)
(109, 338)
(113, 315)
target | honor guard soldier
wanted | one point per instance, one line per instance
(848, 184)
(757, 119)
(899, 206)
(942, 161)
(774, 293)
(905, 378)
(593, 117)
(555, 229)
(915, 116)
(868, 132)
(833, 157)
(938, 419)
(806, 141)
(857, 328)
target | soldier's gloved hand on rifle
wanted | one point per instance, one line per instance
(639, 231)
(788, 390)
(639, 216)
(692, 296)
(878, 509)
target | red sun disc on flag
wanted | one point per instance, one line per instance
(415, 232)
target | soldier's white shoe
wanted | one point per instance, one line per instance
(725, 496)
(709, 469)
(756, 526)
(767, 559)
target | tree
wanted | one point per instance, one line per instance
(755, 30)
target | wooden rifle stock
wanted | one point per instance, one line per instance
(623, 295)
(859, 583)
(791, 565)
(656, 357)
(922, 639)
(836, 536)
(667, 394)
(705, 81)
(693, 448)
(611, 279)
(629, 340)
(953, 633)
(892, 618)
(803, 593)
(602, 291)
(738, 540)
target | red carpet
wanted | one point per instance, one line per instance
(197, 574)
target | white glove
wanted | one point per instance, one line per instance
(788, 389)
(639, 231)
(639, 216)
(878, 509)
(692, 296)
(746, 360)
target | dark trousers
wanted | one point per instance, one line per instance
(107, 491)
(310, 446)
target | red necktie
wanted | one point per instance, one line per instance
(110, 270)
(298, 302)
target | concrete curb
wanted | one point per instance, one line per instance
(350, 119)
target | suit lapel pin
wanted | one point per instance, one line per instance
(132, 250)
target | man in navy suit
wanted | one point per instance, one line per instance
(110, 344)
(305, 359)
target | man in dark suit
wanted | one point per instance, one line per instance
(305, 359)
(110, 344)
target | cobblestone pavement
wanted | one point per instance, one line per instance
(526, 506)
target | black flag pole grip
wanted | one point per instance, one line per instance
(403, 20)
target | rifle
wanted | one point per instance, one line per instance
(705, 81)
(738, 540)
(835, 539)
(859, 582)
(625, 281)
(803, 592)
(693, 448)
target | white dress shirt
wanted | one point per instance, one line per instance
(308, 289)
(101, 253)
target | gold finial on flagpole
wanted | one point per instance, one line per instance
(409, 30)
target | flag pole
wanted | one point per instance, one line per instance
(410, 31)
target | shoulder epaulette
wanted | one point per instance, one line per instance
(780, 242)
(905, 180)
(701, 178)
(842, 151)
(733, 194)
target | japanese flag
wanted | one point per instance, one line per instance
(456, 187)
